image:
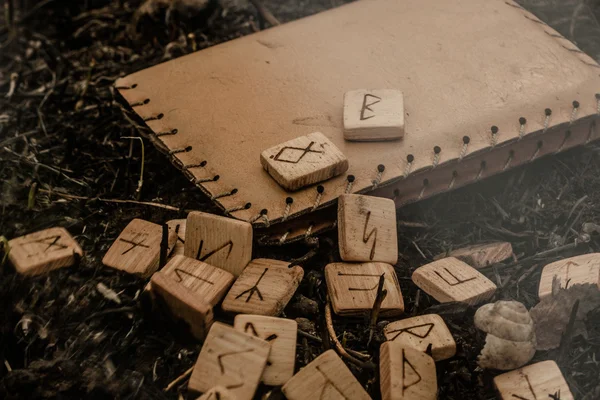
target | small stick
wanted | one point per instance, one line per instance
(138, 190)
(5, 250)
(381, 295)
(265, 13)
(318, 340)
(164, 246)
(180, 378)
(338, 346)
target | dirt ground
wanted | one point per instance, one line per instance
(61, 152)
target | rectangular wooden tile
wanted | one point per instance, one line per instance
(231, 359)
(542, 380)
(137, 249)
(367, 229)
(481, 255)
(281, 334)
(219, 241)
(43, 251)
(326, 377)
(421, 332)
(406, 373)
(264, 288)
(353, 288)
(178, 226)
(210, 283)
(304, 161)
(450, 279)
(374, 114)
(183, 304)
(571, 271)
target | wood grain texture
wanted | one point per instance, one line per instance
(481, 255)
(406, 373)
(137, 248)
(232, 359)
(326, 377)
(450, 279)
(178, 226)
(570, 271)
(264, 288)
(43, 251)
(367, 229)
(353, 288)
(219, 241)
(210, 283)
(376, 114)
(281, 334)
(542, 380)
(217, 393)
(184, 304)
(304, 161)
(420, 332)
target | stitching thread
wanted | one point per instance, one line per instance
(377, 180)
(320, 190)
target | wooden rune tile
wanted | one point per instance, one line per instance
(450, 279)
(137, 249)
(420, 332)
(373, 114)
(217, 393)
(43, 251)
(264, 288)
(367, 229)
(571, 271)
(406, 373)
(542, 380)
(304, 161)
(353, 288)
(326, 377)
(208, 282)
(281, 334)
(178, 226)
(481, 255)
(231, 359)
(219, 241)
(184, 304)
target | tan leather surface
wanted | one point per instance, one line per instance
(463, 65)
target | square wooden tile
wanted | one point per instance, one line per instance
(481, 255)
(538, 381)
(184, 304)
(281, 334)
(217, 393)
(264, 288)
(43, 251)
(210, 283)
(178, 226)
(450, 279)
(367, 229)
(353, 288)
(376, 114)
(406, 373)
(231, 359)
(219, 241)
(571, 271)
(137, 249)
(420, 332)
(326, 377)
(304, 161)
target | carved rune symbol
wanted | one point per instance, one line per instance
(51, 242)
(328, 383)
(415, 330)
(365, 275)
(211, 253)
(253, 289)
(134, 244)
(367, 237)
(410, 376)
(304, 151)
(567, 279)
(250, 326)
(367, 107)
(239, 372)
(530, 390)
(179, 272)
(458, 281)
(177, 232)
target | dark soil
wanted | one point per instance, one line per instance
(61, 150)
